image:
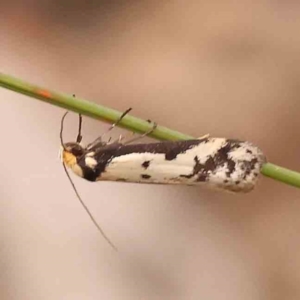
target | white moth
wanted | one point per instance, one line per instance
(218, 162)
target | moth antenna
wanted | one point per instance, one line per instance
(62, 129)
(87, 210)
(99, 139)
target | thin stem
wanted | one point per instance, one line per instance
(87, 108)
(281, 174)
(99, 112)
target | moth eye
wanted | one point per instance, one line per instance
(74, 148)
(77, 150)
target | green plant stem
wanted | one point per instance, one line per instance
(87, 108)
(281, 174)
(99, 112)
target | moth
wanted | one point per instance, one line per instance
(223, 163)
(218, 162)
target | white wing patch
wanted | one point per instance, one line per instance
(129, 167)
(90, 162)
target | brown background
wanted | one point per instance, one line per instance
(225, 68)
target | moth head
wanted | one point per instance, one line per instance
(71, 152)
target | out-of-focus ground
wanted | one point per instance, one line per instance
(225, 68)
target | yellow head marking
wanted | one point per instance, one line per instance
(69, 159)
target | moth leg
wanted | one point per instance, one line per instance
(98, 140)
(118, 121)
(121, 138)
(79, 136)
(141, 136)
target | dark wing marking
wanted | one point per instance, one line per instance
(146, 164)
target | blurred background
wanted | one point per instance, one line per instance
(225, 68)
